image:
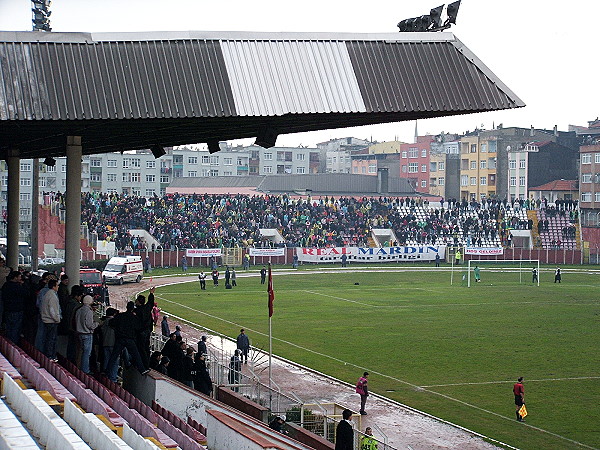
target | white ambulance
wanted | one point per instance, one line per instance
(123, 268)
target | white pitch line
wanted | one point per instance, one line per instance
(512, 381)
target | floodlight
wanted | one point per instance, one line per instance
(452, 11)
(50, 161)
(436, 16)
(213, 146)
(266, 138)
(158, 151)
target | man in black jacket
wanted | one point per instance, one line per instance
(14, 296)
(143, 311)
(126, 326)
(344, 439)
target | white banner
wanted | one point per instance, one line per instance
(267, 251)
(483, 251)
(379, 254)
(202, 252)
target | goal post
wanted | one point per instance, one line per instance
(520, 266)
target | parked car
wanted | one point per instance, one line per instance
(50, 261)
(94, 285)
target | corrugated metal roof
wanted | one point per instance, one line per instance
(224, 181)
(281, 77)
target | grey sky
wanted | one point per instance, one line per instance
(543, 50)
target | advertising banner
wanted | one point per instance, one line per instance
(379, 254)
(484, 251)
(202, 252)
(267, 251)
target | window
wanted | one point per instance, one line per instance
(513, 181)
(268, 156)
(204, 172)
(192, 160)
(240, 162)
(424, 153)
(423, 167)
(586, 196)
(300, 156)
(597, 158)
(372, 168)
(473, 165)
(214, 160)
(111, 163)
(586, 177)
(205, 159)
(150, 164)
(25, 196)
(473, 148)
(95, 162)
(268, 169)
(111, 177)
(25, 167)
(473, 181)
(126, 163)
(521, 181)
(133, 177)
(228, 161)
(597, 197)
(136, 192)
(150, 178)
(192, 173)
(24, 211)
(50, 168)
(363, 169)
(25, 181)
(42, 182)
(586, 158)
(213, 173)
(150, 192)
(404, 154)
(482, 164)
(464, 180)
(512, 164)
(433, 167)
(355, 169)
(95, 177)
(522, 164)
(483, 148)
(227, 173)
(136, 162)
(441, 166)
(63, 168)
(413, 153)
(403, 168)
(111, 191)
(164, 178)
(63, 182)
(424, 183)
(441, 181)
(300, 170)
(483, 181)
(413, 167)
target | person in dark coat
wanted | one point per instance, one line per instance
(344, 435)
(164, 327)
(243, 345)
(235, 371)
(155, 360)
(202, 349)
(202, 381)
(14, 297)
(143, 310)
(163, 367)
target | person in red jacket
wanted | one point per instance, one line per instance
(519, 392)
(363, 390)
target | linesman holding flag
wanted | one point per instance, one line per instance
(271, 296)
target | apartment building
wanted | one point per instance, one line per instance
(444, 170)
(414, 162)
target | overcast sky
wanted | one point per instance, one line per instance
(545, 51)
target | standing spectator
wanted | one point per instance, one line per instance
(4, 271)
(363, 389)
(143, 311)
(233, 277)
(126, 326)
(457, 257)
(108, 337)
(277, 423)
(235, 371)
(344, 259)
(184, 263)
(534, 275)
(187, 377)
(85, 326)
(202, 349)
(295, 262)
(14, 297)
(177, 331)
(263, 275)
(40, 337)
(68, 318)
(155, 314)
(243, 345)
(344, 435)
(202, 278)
(247, 261)
(163, 367)
(50, 314)
(437, 260)
(202, 381)
(368, 442)
(147, 265)
(63, 291)
(227, 275)
(519, 391)
(215, 277)
(557, 276)
(164, 327)
(155, 360)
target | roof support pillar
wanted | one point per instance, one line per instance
(73, 210)
(12, 223)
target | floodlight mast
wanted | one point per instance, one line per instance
(432, 21)
(41, 15)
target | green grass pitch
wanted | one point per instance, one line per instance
(451, 351)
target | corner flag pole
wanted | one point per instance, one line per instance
(271, 295)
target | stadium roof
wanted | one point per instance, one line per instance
(126, 91)
(315, 184)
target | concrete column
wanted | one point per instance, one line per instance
(73, 210)
(35, 205)
(12, 225)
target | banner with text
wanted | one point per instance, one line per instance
(267, 251)
(202, 252)
(484, 251)
(379, 254)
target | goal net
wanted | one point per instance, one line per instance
(508, 271)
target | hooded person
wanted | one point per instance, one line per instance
(85, 326)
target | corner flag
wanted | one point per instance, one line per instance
(271, 292)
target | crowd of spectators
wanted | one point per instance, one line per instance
(210, 221)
